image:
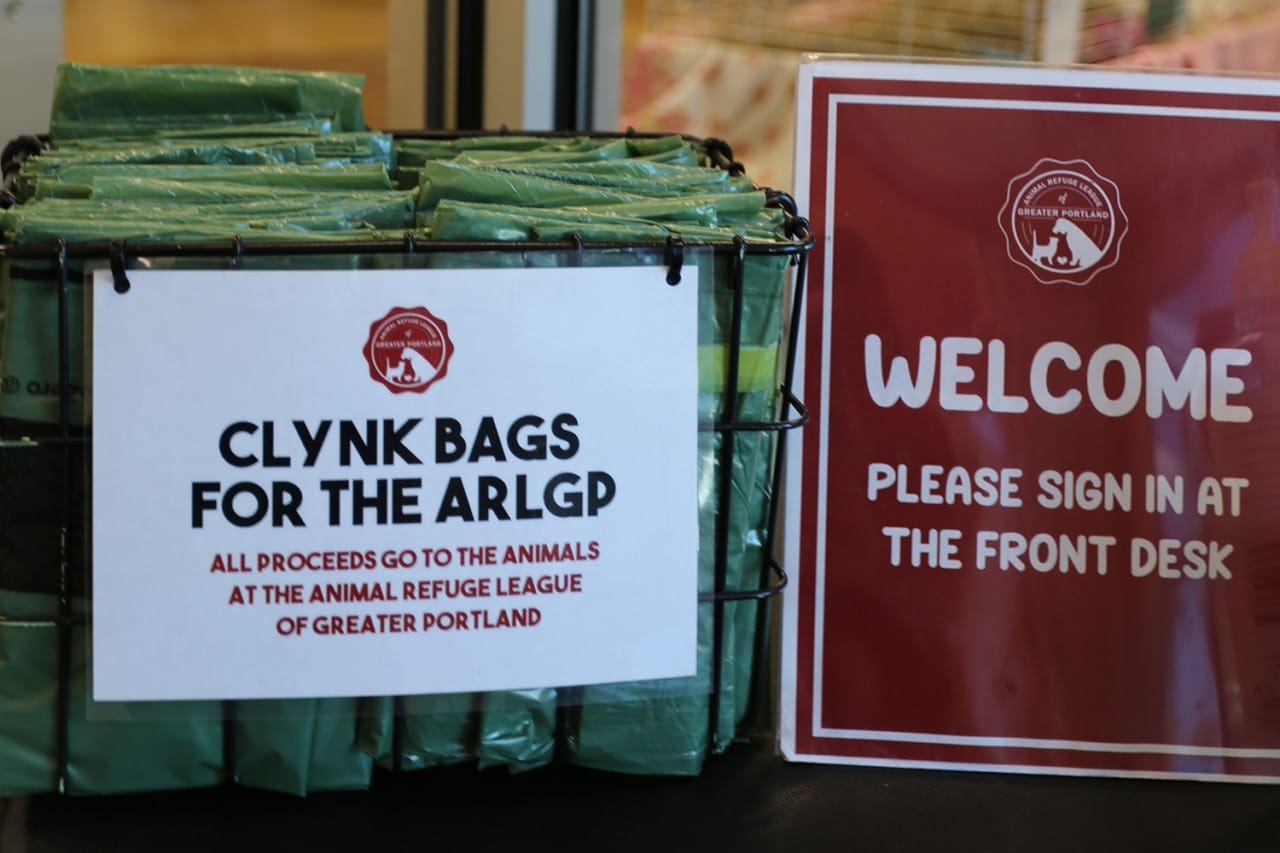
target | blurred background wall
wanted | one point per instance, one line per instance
(723, 68)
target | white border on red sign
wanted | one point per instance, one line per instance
(830, 68)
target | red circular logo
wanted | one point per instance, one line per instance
(408, 349)
(1063, 222)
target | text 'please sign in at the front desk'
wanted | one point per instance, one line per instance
(1201, 385)
(1078, 553)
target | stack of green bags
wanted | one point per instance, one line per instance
(204, 154)
(635, 191)
(147, 154)
(182, 154)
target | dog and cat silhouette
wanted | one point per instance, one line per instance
(412, 368)
(1069, 248)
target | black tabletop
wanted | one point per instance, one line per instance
(747, 799)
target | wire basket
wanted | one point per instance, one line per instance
(43, 543)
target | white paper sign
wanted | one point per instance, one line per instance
(337, 483)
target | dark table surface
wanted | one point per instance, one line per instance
(746, 800)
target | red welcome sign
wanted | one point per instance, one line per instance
(1036, 515)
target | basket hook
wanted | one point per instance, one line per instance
(673, 257)
(118, 277)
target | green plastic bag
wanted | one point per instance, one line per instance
(109, 753)
(517, 729)
(298, 745)
(121, 101)
(77, 181)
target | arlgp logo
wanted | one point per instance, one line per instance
(408, 350)
(1063, 221)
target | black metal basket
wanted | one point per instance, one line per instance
(60, 452)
